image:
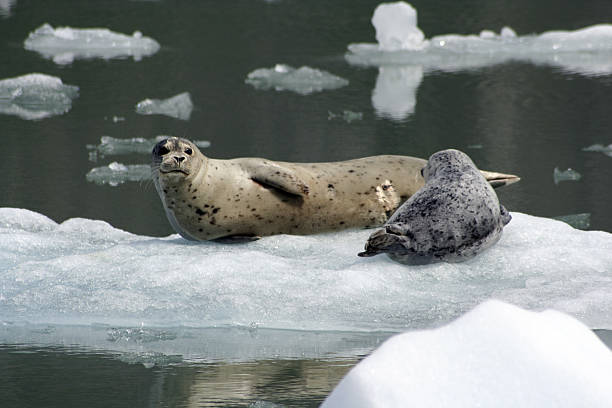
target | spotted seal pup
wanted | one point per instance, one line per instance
(246, 198)
(453, 217)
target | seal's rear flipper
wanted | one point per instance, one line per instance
(505, 215)
(499, 179)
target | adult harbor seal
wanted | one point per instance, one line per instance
(246, 198)
(453, 217)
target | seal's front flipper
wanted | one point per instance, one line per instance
(237, 239)
(281, 178)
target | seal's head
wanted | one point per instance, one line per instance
(175, 159)
(448, 163)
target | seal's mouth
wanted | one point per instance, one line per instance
(174, 171)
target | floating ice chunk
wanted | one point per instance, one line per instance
(64, 44)
(394, 95)
(36, 96)
(303, 80)
(607, 150)
(117, 173)
(114, 146)
(580, 221)
(497, 355)
(84, 272)
(178, 106)
(566, 175)
(586, 51)
(396, 27)
(347, 115)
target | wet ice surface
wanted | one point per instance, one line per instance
(496, 355)
(115, 146)
(303, 80)
(85, 271)
(117, 173)
(65, 44)
(580, 221)
(178, 106)
(565, 175)
(36, 96)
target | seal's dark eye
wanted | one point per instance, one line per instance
(163, 150)
(188, 151)
(422, 173)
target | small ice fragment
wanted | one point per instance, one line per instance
(580, 221)
(178, 106)
(347, 115)
(487, 34)
(607, 150)
(304, 80)
(396, 27)
(567, 175)
(114, 166)
(64, 44)
(115, 146)
(36, 96)
(475, 146)
(117, 173)
(495, 355)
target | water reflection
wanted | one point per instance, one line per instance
(77, 377)
(394, 95)
(5, 7)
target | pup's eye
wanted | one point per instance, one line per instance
(188, 151)
(422, 174)
(163, 150)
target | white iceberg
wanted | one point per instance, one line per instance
(497, 355)
(65, 44)
(117, 173)
(82, 272)
(304, 80)
(178, 106)
(36, 96)
(114, 146)
(586, 51)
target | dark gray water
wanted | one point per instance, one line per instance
(514, 117)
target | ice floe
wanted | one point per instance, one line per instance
(65, 44)
(85, 272)
(115, 146)
(304, 80)
(178, 106)
(565, 175)
(117, 173)
(607, 150)
(586, 51)
(404, 55)
(36, 96)
(497, 355)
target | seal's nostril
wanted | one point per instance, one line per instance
(179, 159)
